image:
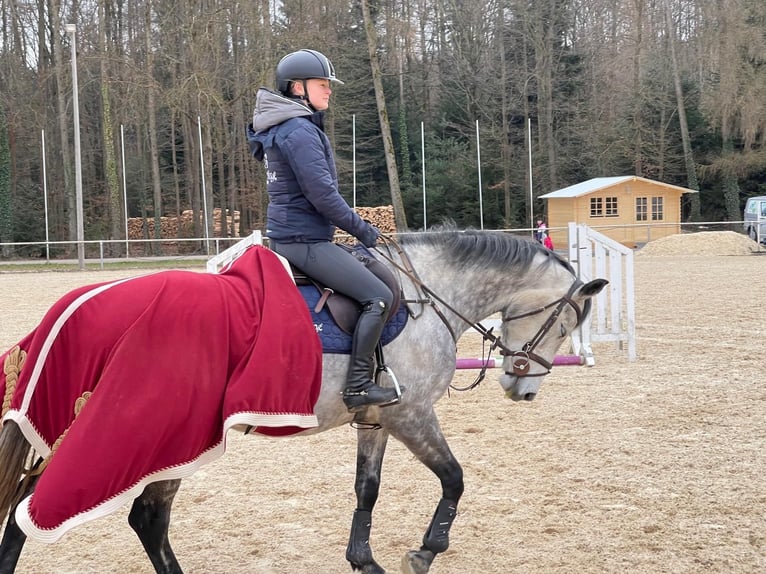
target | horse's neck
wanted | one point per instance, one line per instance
(473, 293)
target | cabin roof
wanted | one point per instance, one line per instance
(599, 183)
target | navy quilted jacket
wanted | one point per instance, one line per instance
(304, 202)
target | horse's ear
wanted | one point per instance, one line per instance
(593, 287)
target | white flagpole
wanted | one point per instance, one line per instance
(72, 31)
(45, 201)
(478, 163)
(204, 192)
(423, 162)
(531, 198)
(124, 191)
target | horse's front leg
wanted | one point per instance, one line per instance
(426, 441)
(371, 446)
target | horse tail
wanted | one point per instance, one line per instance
(14, 451)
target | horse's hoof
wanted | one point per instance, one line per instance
(371, 568)
(417, 562)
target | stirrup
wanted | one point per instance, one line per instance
(357, 401)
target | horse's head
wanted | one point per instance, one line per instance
(482, 272)
(534, 327)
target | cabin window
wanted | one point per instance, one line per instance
(596, 207)
(611, 206)
(603, 207)
(641, 211)
(657, 209)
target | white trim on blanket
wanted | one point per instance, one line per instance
(49, 536)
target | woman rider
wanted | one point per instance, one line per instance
(305, 206)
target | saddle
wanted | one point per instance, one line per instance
(344, 310)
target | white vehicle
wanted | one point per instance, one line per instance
(755, 218)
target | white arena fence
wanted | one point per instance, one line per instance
(104, 251)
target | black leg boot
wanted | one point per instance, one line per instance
(361, 390)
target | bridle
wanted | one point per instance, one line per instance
(520, 359)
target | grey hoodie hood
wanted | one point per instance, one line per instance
(272, 108)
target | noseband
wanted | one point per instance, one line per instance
(520, 359)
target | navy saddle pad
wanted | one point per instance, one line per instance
(336, 340)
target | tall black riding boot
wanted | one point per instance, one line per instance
(361, 390)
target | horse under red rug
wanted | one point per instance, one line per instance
(135, 381)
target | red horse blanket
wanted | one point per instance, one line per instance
(139, 380)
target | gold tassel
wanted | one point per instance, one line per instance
(14, 362)
(78, 406)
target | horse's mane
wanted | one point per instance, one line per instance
(472, 247)
(488, 249)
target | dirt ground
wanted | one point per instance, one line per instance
(649, 466)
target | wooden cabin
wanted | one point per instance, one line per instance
(629, 209)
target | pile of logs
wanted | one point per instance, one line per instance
(168, 228)
(381, 217)
(183, 226)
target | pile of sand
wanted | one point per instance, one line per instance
(702, 243)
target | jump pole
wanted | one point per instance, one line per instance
(497, 362)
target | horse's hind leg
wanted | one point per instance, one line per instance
(11, 546)
(150, 518)
(371, 446)
(13, 538)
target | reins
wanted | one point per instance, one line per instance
(409, 270)
(520, 359)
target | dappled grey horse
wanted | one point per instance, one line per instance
(451, 280)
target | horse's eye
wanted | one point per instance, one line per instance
(562, 330)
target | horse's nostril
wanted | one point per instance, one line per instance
(530, 396)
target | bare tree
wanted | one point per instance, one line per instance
(544, 38)
(151, 115)
(385, 128)
(691, 168)
(110, 161)
(66, 157)
(734, 99)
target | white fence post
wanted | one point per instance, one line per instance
(593, 254)
(228, 255)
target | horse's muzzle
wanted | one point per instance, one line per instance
(516, 398)
(520, 388)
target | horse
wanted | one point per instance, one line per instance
(451, 280)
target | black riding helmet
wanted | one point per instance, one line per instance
(303, 65)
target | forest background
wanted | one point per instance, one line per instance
(673, 90)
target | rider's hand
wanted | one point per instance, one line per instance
(370, 238)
